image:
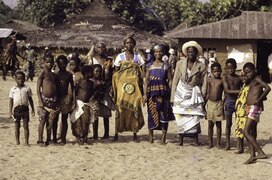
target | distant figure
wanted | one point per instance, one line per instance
(47, 91)
(258, 90)
(31, 58)
(172, 58)
(149, 57)
(232, 85)
(157, 95)
(10, 60)
(212, 60)
(214, 106)
(20, 96)
(81, 116)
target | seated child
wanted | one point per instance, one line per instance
(19, 96)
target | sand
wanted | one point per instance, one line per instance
(126, 159)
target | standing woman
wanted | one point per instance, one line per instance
(157, 95)
(99, 56)
(127, 84)
(188, 92)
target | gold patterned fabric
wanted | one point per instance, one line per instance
(241, 114)
(128, 97)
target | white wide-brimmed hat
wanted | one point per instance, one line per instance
(191, 44)
(171, 51)
(147, 50)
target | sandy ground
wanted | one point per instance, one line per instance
(126, 159)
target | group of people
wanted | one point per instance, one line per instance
(93, 90)
(10, 62)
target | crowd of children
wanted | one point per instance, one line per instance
(83, 95)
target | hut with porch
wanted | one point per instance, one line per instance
(246, 38)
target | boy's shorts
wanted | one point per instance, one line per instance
(21, 112)
(254, 112)
(229, 106)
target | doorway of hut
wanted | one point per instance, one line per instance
(263, 51)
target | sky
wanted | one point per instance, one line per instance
(10, 3)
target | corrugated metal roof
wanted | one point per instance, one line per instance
(4, 33)
(249, 25)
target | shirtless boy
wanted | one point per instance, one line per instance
(20, 96)
(65, 80)
(257, 92)
(214, 107)
(84, 92)
(47, 91)
(98, 102)
(232, 84)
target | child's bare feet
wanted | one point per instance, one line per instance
(227, 148)
(210, 146)
(115, 138)
(135, 139)
(250, 161)
(260, 156)
(151, 140)
(17, 143)
(240, 151)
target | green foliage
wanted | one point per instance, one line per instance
(5, 12)
(50, 12)
(155, 16)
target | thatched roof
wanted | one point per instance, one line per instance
(249, 25)
(99, 23)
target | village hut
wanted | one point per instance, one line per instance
(246, 38)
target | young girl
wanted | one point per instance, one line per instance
(98, 102)
(157, 95)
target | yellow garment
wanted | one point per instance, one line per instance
(241, 114)
(128, 97)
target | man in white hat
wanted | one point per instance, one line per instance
(188, 91)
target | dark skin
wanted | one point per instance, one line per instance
(129, 45)
(232, 85)
(215, 92)
(192, 58)
(65, 79)
(84, 92)
(158, 53)
(97, 76)
(47, 84)
(20, 79)
(258, 90)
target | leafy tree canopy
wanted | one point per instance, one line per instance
(155, 16)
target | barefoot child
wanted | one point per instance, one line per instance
(232, 84)
(65, 80)
(19, 97)
(257, 92)
(241, 115)
(47, 91)
(81, 116)
(214, 105)
(98, 103)
(157, 95)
